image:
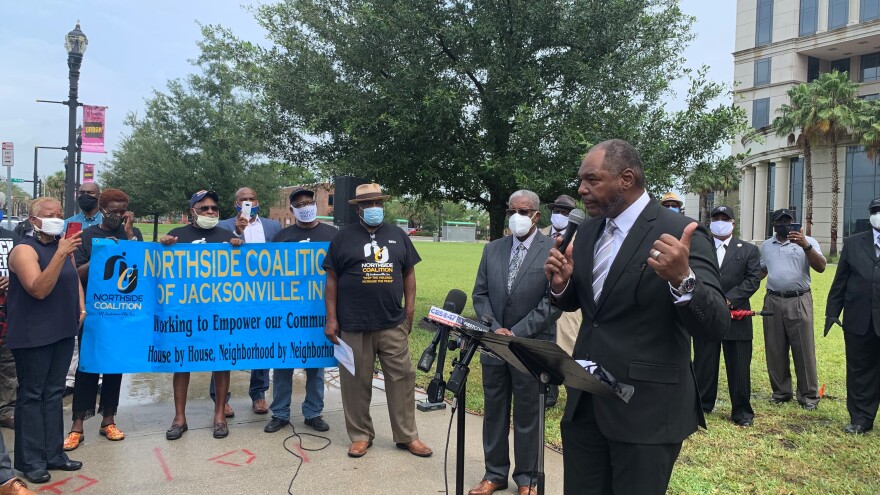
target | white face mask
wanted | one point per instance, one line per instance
(50, 226)
(519, 224)
(206, 222)
(306, 214)
(721, 228)
(875, 220)
(559, 221)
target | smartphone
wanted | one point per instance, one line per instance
(795, 227)
(72, 229)
(246, 209)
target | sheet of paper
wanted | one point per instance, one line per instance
(590, 366)
(345, 356)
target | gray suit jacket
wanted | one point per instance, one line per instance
(526, 311)
(270, 227)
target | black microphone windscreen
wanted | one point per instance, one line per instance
(455, 301)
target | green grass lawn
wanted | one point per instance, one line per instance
(788, 451)
(147, 229)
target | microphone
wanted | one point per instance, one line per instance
(455, 301)
(739, 314)
(575, 219)
(455, 320)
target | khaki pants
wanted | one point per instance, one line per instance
(567, 327)
(392, 348)
(791, 327)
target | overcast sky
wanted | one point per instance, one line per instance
(136, 46)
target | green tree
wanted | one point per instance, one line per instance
(54, 185)
(798, 120)
(721, 176)
(469, 101)
(838, 108)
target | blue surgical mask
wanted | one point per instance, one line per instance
(374, 216)
(675, 209)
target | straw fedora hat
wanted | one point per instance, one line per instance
(368, 192)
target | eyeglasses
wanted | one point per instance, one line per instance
(303, 204)
(523, 212)
(202, 209)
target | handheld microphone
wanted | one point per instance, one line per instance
(455, 301)
(739, 314)
(575, 219)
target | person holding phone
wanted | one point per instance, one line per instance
(249, 226)
(786, 260)
(46, 307)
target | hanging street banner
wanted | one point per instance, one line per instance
(93, 129)
(204, 307)
(88, 172)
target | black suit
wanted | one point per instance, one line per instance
(740, 278)
(856, 291)
(642, 338)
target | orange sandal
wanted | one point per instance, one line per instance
(73, 440)
(112, 432)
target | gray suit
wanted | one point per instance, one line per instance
(526, 312)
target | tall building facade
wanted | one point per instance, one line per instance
(779, 44)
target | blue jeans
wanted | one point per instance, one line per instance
(257, 391)
(6, 472)
(313, 404)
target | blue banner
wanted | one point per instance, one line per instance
(204, 307)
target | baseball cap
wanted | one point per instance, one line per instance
(721, 209)
(300, 190)
(875, 203)
(782, 212)
(202, 195)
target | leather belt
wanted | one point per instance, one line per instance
(789, 293)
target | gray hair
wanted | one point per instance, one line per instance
(529, 195)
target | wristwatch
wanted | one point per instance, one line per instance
(688, 284)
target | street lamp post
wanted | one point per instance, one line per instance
(76, 43)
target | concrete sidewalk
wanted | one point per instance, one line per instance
(252, 461)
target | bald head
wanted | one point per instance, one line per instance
(245, 194)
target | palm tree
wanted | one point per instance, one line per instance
(799, 114)
(868, 127)
(838, 108)
(55, 185)
(721, 176)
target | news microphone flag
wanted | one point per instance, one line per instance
(444, 317)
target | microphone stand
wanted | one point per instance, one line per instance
(458, 383)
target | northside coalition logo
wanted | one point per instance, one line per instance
(126, 277)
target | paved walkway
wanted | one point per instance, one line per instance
(253, 462)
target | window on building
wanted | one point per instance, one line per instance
(764, 24)
(329, 200)
(809, 21)
(762, 72)
(869, 10)
(841, 65)
(796, 188)
(761, 113)
(838, 13)
(871, 67)
(862, 184)
(771, 192)
(813, 68)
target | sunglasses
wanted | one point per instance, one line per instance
(202, 209)
(523, 212)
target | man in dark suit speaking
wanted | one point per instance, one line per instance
(740, 265)
(511, 290)
(856, 292)
(646, 280)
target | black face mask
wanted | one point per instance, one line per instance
(112, 221)
(782, 230)
(87, 203)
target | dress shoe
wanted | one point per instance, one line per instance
(221, 430)
(317, 423)
(774, 400)
(745, 422)
(528, 490)
(176, 431)
(67, 466)
(38, 476)
(416, 448)
(359, 448)
(810, 406)
(856, 429)
(260, 406)
(227, 411)
(15, 487)
(487, 487)
(8, 423)
(275, 424)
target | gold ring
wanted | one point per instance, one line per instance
(655, 254)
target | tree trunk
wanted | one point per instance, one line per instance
(496, 209)
(704, 208)
(835, 190)
(808, 188)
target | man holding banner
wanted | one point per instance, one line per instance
(306, 229)
(370, 268)
(205, 214)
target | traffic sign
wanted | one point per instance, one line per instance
(17, 180)
(8, 154)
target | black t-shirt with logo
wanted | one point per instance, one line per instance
(83, 253)
(369, 268)
(8, 240)
(194, 235)
(319, 233)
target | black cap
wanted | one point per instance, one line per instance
(721, 209)
(300, 190)
(782, 212)
(875, 203)
(202, 195)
